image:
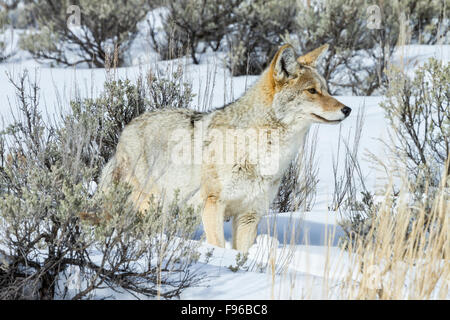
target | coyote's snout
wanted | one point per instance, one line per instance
(217, 161)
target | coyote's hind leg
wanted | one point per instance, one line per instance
(244, 231)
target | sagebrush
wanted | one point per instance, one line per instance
(61, 240)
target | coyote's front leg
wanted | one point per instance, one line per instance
(212, 217)
(244, 231)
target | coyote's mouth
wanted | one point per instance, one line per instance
(324, 120)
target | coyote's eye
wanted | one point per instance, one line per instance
(312, 91)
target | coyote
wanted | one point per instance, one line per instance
(178, 151)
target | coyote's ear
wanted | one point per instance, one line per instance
(311, 58)
(284, 64)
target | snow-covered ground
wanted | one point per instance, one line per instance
(304, 249)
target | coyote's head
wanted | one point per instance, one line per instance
(299, 92)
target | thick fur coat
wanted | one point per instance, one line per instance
(229, 162)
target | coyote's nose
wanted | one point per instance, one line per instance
(346, 111)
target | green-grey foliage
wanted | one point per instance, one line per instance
(257, 34)
(428, 21)
(192, 26)
(3, 23)
(343, 25)
(121, 102)
(418, 112)
(107, 28)
(241, 261)
(358, 55)
(55, 231)
(249, 31)
(19, 13)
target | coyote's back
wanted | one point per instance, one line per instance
(143, 159)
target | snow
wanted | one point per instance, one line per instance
(303, 246)
(300, 267)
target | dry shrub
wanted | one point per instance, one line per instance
(192, 26)
(105, 26)
(257, 34)
(298, 185)
(418, 111)
(121, 101)
(400, 258)
(349, 179)
(400, 249)
(359, 53)
(47, 251)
